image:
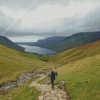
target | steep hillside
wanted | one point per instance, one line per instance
(76, 40)
(8, 43)
(82, 78)
(47, 42)
(75, 54)
(13, 62)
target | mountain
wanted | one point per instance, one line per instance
(60, 44)
(8, 43)
(76, 40)
(75, 54)
(48, 41)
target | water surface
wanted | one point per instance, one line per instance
(36, 49)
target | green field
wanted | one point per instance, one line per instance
(39, 56)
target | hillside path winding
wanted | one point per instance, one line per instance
(46, 92)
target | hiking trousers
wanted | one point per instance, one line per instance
(52, 82)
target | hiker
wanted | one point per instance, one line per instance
(53, 73)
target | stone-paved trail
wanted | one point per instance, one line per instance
(47, 93)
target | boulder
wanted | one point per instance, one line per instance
(60, 84)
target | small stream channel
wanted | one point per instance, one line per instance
(22, 78)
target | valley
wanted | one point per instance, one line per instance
(78, 67)
(49, 50)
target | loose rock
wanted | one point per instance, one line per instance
(22, 78)
(60, 84)
(47, 93)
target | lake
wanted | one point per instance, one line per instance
(36, 49)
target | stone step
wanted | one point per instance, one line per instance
(47, 93)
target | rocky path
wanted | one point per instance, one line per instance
(47, 93)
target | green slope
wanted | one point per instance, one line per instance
(8, 43)
(82, 78)
(13, 62)
(75, 54)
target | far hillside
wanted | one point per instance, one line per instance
(75, 40)
(75, 54)
(46, 42)
(8, 43)
(60, 44)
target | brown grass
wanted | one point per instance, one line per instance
(76, 53)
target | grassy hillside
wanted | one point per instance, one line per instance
(82, 78)
(75, 54)
(75, 40)
(8, 43)
(13, 62)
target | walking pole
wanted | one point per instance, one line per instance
(48, 77)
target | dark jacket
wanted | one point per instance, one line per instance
(53, 75)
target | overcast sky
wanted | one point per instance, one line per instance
(30, 20)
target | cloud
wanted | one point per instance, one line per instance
(49, 17)
(29, 38)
